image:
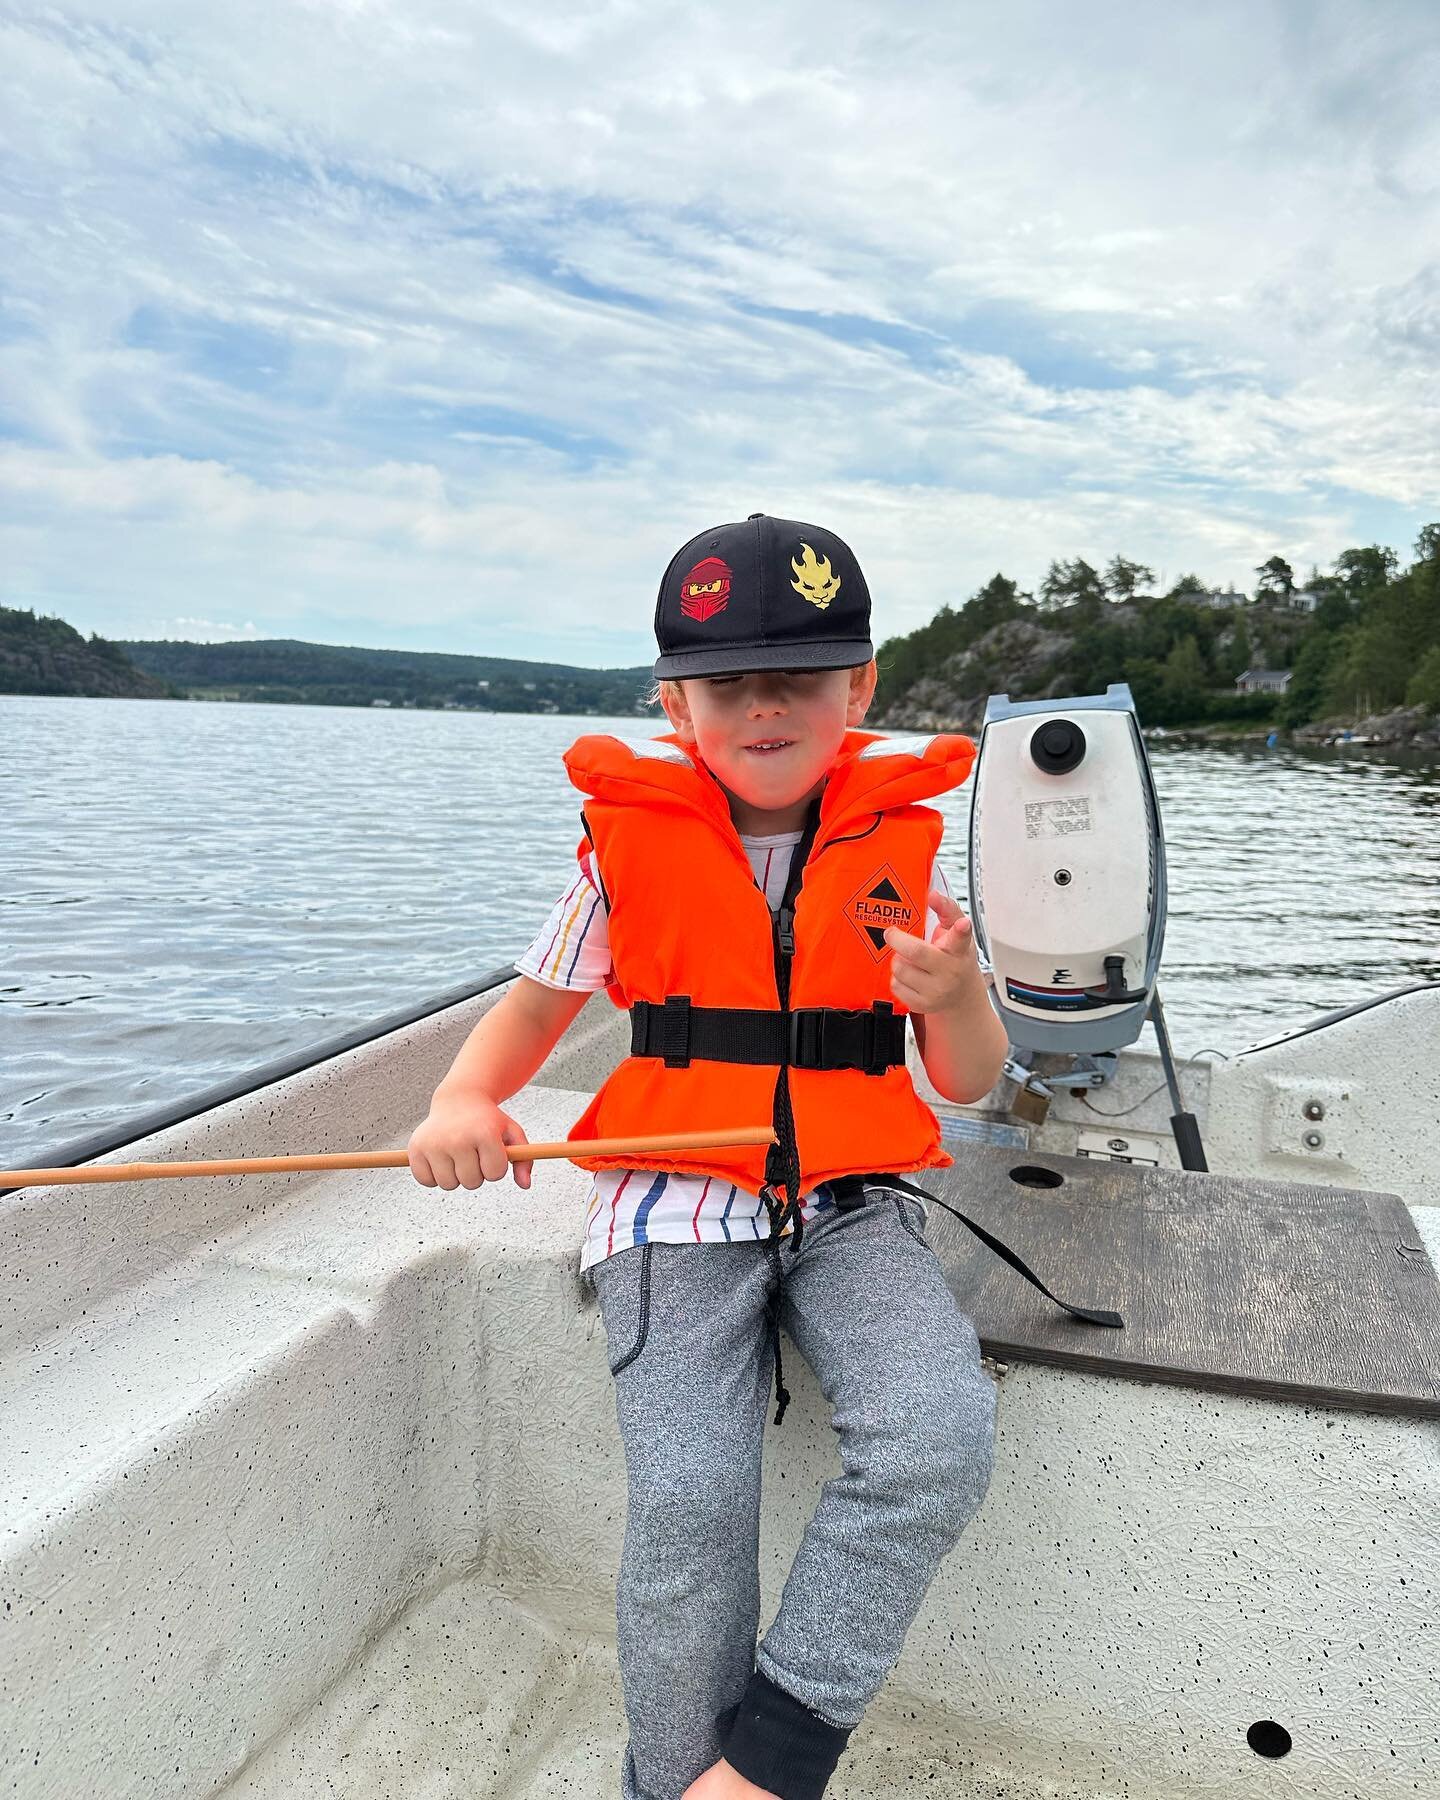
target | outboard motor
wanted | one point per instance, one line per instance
(1067, 888)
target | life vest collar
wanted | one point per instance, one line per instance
(871, 773)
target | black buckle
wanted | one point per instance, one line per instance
(828, 1037)
(848, 1192)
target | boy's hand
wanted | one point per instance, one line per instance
(462, 1143)
(931, 977)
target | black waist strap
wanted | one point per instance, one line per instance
(850, 1192)
(809, 1037)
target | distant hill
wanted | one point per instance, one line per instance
(47, 656)
(287, 670)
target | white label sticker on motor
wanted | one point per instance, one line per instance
(1057, 818)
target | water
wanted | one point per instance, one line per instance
(191, 890)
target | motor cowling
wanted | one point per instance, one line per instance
(1067, 869)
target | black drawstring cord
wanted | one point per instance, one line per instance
(778, 1216)
(784, 1154)
(772, 1315)
(787, 1153)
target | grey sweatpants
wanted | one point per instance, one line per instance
(867, 1305)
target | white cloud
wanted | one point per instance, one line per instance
(429, 321)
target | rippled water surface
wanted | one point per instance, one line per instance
(191, 890)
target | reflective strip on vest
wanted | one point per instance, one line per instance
(657, 747)
(907, 746)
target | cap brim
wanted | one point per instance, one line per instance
(839, 653)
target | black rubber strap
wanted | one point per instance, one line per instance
(1089, 1315)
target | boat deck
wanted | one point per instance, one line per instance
(475, 1693)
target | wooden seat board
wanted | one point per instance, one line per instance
(1267, 1288)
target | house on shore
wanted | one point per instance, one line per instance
(1262, 681)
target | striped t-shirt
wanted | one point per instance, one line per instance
(635, 1206)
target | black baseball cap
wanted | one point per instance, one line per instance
(763, 594)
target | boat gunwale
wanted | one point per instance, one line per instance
(176, 1112)
(1334, 1018)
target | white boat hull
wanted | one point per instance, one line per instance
(314, 1486)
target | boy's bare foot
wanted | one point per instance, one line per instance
(721, 1782)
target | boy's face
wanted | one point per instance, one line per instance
(807, 712)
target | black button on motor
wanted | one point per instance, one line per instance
(1057, 746)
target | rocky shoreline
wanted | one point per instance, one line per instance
(1027, 661)
(48, 657)
(1408, 727)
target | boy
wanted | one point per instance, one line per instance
(755, 997)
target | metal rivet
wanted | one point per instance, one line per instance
(1312, 1140)
(1313, 1110)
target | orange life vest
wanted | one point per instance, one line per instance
(689, 925)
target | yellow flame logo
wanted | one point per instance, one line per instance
(814, 579)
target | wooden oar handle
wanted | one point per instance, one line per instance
(382, 1159)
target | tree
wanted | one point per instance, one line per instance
(1239, 656)
(992, 604)
(1183, 680)
(1073, 584)
(1122, 577)
(1370, 673)
(1304, 699)
(1053, 586)
(1365, 570)
(1146, 680)
(1189, 584)
(1395, 627)
(1427, 545)
(1099, 654)
(1333, 609)
(1276, 577)
(1424, 687)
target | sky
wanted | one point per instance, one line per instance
(441, 325)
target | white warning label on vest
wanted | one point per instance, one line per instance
(1057, 818)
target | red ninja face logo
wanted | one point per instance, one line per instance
(706, 589)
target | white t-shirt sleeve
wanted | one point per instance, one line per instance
(572, 949)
